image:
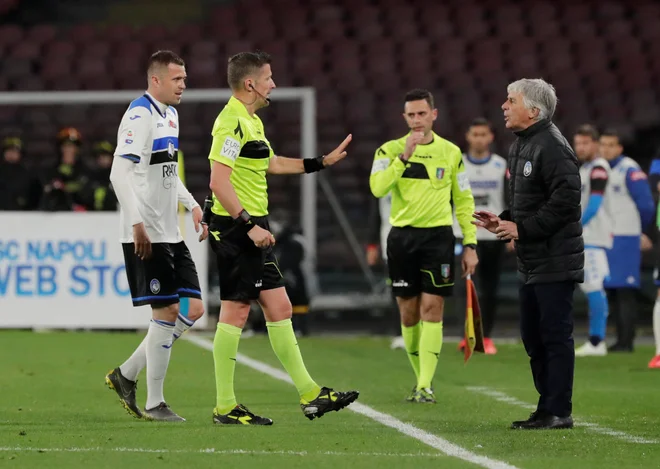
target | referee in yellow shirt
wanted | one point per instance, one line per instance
(424, 174)
(241, 156)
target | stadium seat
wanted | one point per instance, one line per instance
(41, 33)
(362, 56)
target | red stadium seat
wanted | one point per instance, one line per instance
(10, 34)
(576, 12)
(60, 49)
(42, 33)
(26, 50)
(85, 32)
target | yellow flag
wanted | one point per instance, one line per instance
(470, 337)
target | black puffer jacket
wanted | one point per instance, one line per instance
(544, 194)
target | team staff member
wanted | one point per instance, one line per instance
(487, 173)
(241, 157)
(632, 209)
(424, 172)
(544, 221)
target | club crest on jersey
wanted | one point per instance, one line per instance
(172, 124)
(154, 286)
(527, 170)
(170, 149)
(440, 173)
(444, 271)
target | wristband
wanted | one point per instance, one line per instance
(244, 220)
(404, 161)
(473, 246)
(313, 165)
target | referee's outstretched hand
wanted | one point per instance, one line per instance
(261, 238)
(141, 241)
(338, 153)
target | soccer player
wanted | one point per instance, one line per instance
(487, 174)
(632, 208)
(654, 179)
(598, 225)
(424, 172)
(159, 267)
(241, 157)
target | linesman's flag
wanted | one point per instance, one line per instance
(474, 334)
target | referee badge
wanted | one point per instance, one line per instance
(439, 173)
(444, 271)
(527, 170)
(154, 286)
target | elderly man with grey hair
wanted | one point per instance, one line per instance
(544, 222)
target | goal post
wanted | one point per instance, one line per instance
(308, 136)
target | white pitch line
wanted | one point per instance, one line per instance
(501, 397)
(434, 441)
(99, 449)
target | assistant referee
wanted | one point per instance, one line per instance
(424, 173)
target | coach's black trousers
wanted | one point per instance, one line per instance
(546, 324)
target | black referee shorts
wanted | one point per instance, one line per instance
(166, 276)
(421, 260)
(244, 269)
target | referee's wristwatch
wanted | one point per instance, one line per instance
(473, 246)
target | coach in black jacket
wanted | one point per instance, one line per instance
(544, 221)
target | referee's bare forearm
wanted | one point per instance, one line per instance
(223, 189)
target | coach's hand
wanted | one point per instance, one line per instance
(261, 238)
(197, 215)
(487, 220)
(338, 153)
(141, 241)
(507, 230)
(469, 261)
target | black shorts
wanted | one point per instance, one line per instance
(244, 269)
(421, 260)
(162, 279)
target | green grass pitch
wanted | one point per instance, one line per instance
(56, 412)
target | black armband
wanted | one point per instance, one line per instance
(244, 220)
(313, 165)
(206, 214)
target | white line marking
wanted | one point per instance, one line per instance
(448, 448)
(213, 451)
(501, 397)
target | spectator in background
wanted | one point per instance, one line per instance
(66, 183)
(632, 209)
(20, 190)
(101, 196)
